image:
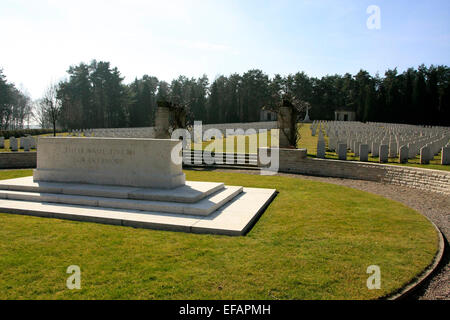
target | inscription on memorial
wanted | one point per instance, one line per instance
(99, 155)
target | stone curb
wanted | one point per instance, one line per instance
(408, 289)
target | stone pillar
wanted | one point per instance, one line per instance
(2, 142)
(284, 124)
(384, 153)
(404, 154)
(445, 155)
(342, 151)
(364, 152)
(162, 121)
(425, 155)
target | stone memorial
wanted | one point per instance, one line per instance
(375, 149)
(342, 151)
(284, 124)
(445, 156)
(25, 143)
(404, 154)
(33, 142)
(425, 155)
(129, 182)
(162, 121)
(364, 152)
(356, 148)
(110, 161)
(321, 149)
(392, 149)
(384, 153)
(13, 144)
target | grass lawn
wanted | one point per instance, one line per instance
(315, 241)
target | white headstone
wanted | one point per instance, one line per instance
(384, 153)
(13, 144)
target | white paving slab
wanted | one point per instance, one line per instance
(236, 218)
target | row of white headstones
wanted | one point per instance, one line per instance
(26, 143)
(383, 140)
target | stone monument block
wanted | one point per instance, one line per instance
(148, 163)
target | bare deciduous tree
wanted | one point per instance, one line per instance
(49, 107)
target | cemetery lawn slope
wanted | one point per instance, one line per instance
(315, 241)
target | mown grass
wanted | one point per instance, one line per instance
(315, 241)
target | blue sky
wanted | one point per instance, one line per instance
(42, 38)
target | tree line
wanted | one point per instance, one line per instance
(15, 105)
(95, 96)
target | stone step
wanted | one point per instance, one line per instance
(233, 219)
(203, 207)
(192, 192)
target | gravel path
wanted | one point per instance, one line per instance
(433, 205)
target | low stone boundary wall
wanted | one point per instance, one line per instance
(17, 160)
(425, 179)
(149, 132)
(245, 126)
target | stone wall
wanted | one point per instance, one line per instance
(17, 160)
(150, 132)
(425, 179)
(269, 125)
